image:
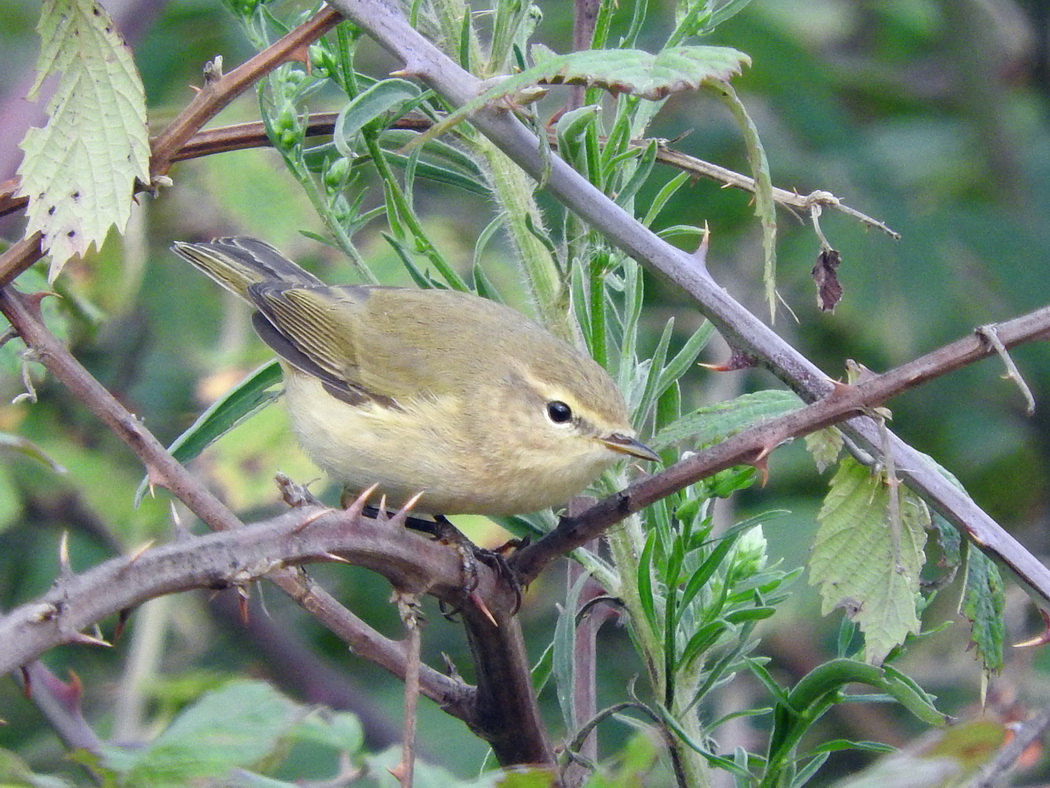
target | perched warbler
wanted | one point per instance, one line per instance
(432, 391)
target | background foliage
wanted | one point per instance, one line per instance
(931, 116)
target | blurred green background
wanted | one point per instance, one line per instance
(930, 115)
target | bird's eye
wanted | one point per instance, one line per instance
(558, 412)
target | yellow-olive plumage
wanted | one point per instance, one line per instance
(432, 391)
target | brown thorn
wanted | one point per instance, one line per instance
(402, 513)
(761, 463)
(1042, 638)
(313, 518)
(337, 558)
(479, 603)
(357, 506)
(737, 360)
(88, 640)
(122, 620)
(141, 551)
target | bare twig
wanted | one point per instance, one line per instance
(991, 335)
(408, 608)
(790, 199)
(236, 558)
(217, 93)
(60, 702)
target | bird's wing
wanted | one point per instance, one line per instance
(317, 330)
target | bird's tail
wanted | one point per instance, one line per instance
(236, 263)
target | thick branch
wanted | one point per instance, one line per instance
(23, 312)
(739, 327)
(236, 558)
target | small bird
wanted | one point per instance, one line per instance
(436, 392)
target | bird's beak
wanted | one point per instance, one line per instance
(627, 445)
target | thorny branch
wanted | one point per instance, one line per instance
(504, 685)
(753, 446)
(745, 333)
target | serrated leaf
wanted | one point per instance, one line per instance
(864, 563)
(713, 423)
(633, 71)
(825, 445)
(637, 72)
(983, 602)
(80, 169)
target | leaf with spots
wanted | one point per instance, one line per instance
(80, 168)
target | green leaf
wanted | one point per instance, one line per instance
(243, 401)
(564, 662)
(235, 726)
(710, 757)
(666, 193)
(837, 745)
(378, 99)
(685, 358)
(807, 772)
(437, 162)
(339, 731)
(646, 593)
(80, 169)
(765, 206)
(866, 563)
(15, 773)
(16, 443)
(632, 71)
(713, 423)
(983, 603)
(825, 445)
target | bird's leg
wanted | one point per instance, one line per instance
(442, 530)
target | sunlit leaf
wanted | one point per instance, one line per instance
(208, 740)
(80, 169)
(866, 563)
